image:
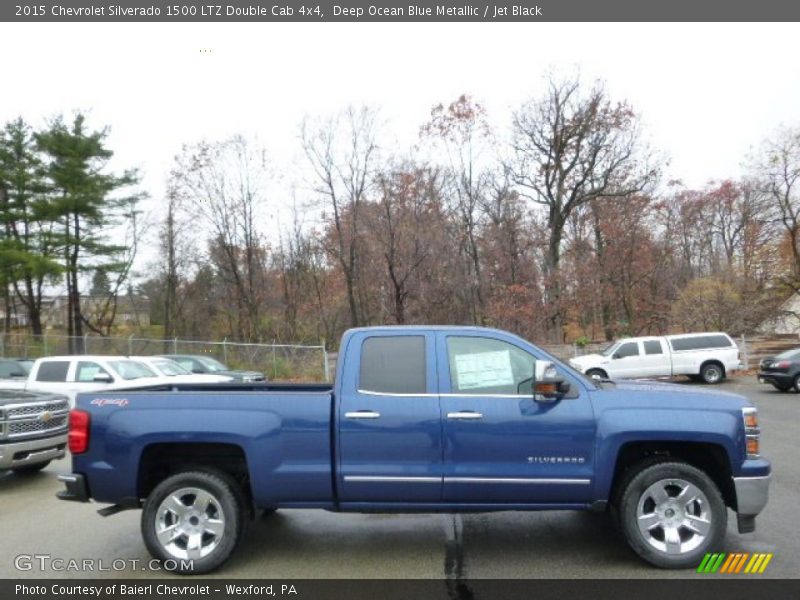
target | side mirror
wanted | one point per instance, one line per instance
(198, 371)
(547, 385)
(615, 356)
(102, 378)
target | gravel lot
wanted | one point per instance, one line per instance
(317, 544)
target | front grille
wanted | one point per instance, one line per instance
(29, 427)
(30, 410)
(33, 419)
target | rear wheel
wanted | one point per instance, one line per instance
(797, 383)
(671, 514)
(193, 521)
(712, 373)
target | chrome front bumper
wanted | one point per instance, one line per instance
(23, 453)
(752, 494)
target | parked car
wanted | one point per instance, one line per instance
(25, 363)
(12, 369)
(69, 375)
(33, 429)
(781, 371)
(205, 364)
(429, 419)
(707, 357)
(166, 367)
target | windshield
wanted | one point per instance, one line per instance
(170, 368)
(609, 350)
(789, 354)
(211, 364)
(130, 369)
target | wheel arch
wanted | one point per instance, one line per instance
(161, 460)
(708, 457)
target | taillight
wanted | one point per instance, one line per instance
(782, 364)
(78, 431)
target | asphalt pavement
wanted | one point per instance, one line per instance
(293, 544)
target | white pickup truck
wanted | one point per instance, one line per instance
(707, 357)
(70, 375)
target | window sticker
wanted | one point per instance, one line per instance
(483, 370)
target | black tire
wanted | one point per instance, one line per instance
(227, 506)
(636, 498)
(712, 373)
(31, 469)
(596, 374)
(785, 388)
(796, 385)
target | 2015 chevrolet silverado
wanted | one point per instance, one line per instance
(423, 419)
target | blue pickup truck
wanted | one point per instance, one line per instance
(427, 419)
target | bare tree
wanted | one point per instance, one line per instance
(342, 151)
(225, 183)
(777, 169)
(571, 147)
(463, 130)
(408, 196)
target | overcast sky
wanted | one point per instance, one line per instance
(707, 92)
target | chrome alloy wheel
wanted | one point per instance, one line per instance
(673, 516)
(189, 523)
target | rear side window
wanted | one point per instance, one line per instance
(653, 347)
(628, 349)
(393, 365)
(53, 371)
(701, 342)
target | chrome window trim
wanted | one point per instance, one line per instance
(428, 395)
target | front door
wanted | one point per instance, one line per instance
(500, 445)
(390, 435)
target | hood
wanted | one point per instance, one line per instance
(659, 393)
(240, 374)
(594, 359)
(10, 396)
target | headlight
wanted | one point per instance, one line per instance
(752, 432)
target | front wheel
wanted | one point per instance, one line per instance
(30, 469)
(193, 521)
(596, 374)
(671, 514)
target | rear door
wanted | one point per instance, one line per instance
(500, 445)
(51, 376)
(654, 361)
(390, 434)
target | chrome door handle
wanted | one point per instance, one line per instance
(465, 415)
(362, 414)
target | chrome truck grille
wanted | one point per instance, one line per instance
(33, 419)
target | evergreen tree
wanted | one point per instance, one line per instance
(27, 245)
(87, 206)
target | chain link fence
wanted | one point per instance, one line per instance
(288, 362)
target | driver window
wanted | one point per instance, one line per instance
(86, 371)
(628, 349)
(487, 366)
